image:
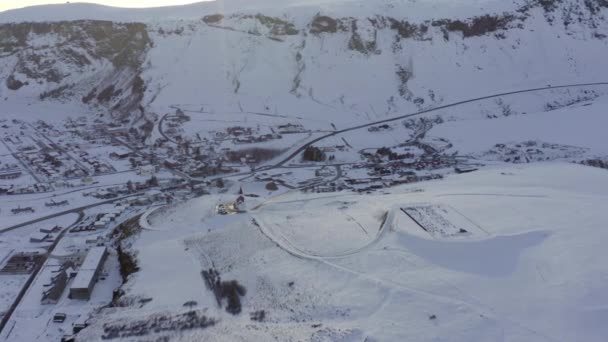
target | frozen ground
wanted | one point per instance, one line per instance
(344, 226)
(11, 285)
(517, 278)
(575, 126)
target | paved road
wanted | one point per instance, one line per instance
(287, 245)
(58, 194)
(69, 211)
(162, 131)
(401, 117)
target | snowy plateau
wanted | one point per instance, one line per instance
(305, 170)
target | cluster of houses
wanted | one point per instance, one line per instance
(251, 139)
(51, 165)
(102, 220)
(380, 128)
(325, 171)
(200, 167)
(244, 135)
(10, 171)
(12, 174)
(103, 194)
(80, 122)
(330, 187)
(130, 187)
(404, 167)
(380, 177)
(45, 234)
(24, 189)
(291, 128)
(148, 198)
(366, 184)
(234, 132)
(121, 155)
(371, 184)
(98, 167)
(41, 238)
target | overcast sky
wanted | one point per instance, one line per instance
(10, 4)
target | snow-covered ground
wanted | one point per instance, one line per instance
(529, 271)
(384, 57)
(580, 126)
(11, 285)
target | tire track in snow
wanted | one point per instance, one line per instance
(474, 304)
(284, 243)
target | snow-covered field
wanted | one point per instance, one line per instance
(342, 227)
(11, 285)
(518, 278)
(575, 126)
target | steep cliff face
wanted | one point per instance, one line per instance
(325, 66)
(96, 62)
(335, 60)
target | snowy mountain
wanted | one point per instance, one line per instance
(353, 60)
(97, 62)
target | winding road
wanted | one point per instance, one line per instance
(289, 247)
(69, 211)
(281, 163)
(285, 244)
(426, 111)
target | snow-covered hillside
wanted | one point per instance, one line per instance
(362, 270)
(335, 60)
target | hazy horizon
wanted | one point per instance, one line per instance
(14, 4)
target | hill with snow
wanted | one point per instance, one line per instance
(357, 60)
(346, 267)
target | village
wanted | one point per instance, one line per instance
(83, 182)
(73, 193)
